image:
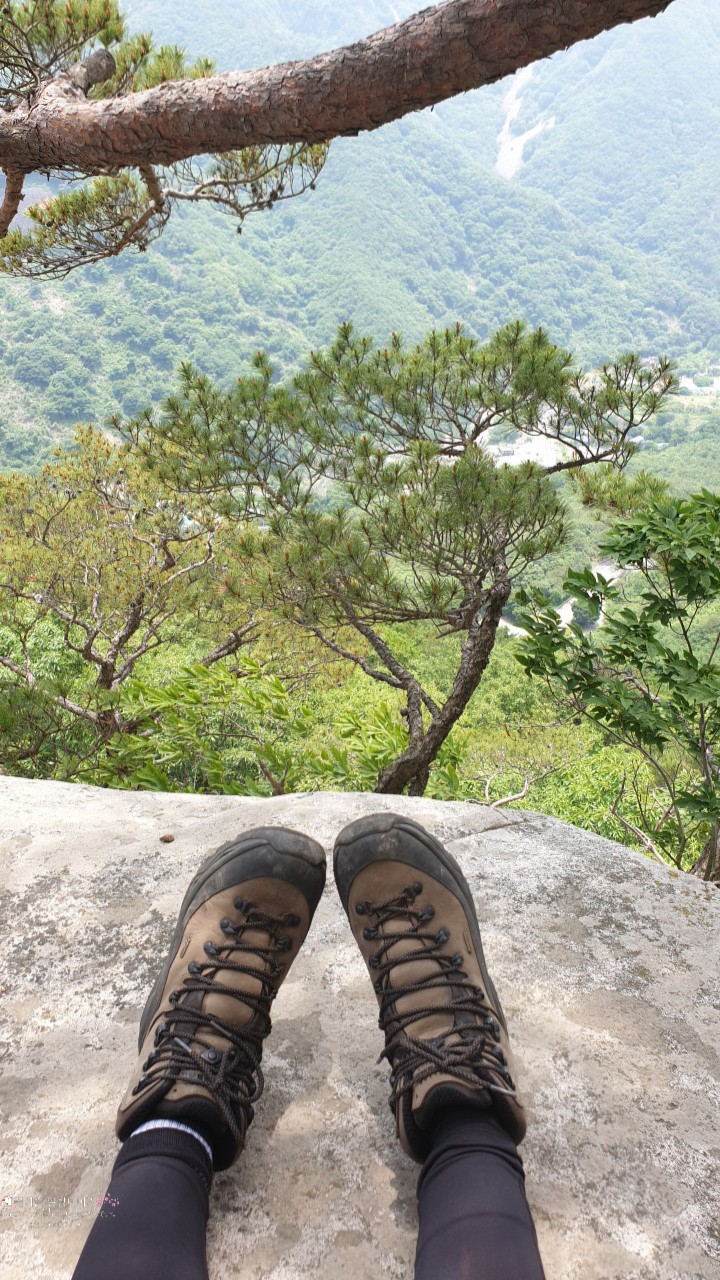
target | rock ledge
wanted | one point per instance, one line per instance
(607, 965)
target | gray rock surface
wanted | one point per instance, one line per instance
(607, 965)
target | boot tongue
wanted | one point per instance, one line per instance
(221, 1004)
(441, 1089)
(430, 1025)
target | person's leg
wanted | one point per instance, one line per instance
(190, 1099)
(154, 1214)
(475, 1223)
(453, 1092)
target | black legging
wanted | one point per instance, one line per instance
(475, 1223)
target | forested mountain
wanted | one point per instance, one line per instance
(602, 227)
(581, 195)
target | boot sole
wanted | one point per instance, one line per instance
(274, 852)
(389, 837)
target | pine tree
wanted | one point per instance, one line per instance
(365, 498)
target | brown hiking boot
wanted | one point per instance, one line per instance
(241, 925)
(412, 915)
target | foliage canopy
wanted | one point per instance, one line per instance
(650, 676)
(365, 496)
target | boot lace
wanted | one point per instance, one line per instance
(232, 1076)
(469, 1050)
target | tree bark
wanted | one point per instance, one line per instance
(431, 56)
(11, 200)
(707, 866)
(236, 640)
(411, 770)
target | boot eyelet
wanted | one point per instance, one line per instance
(370, 933)
(426, 914)
(292, 921)
(360, 908)
(277, 970)
(377, 986)
(374, 962)
(240, 904)
(211, 1055)
(210, 949)
(173, 997)
(416, 888)
(228, 928)
(194, 967)
(442, 935)
(283, 944)
(160, 1032)
(456, 960)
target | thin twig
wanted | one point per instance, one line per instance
(635, 831)
(520, 795)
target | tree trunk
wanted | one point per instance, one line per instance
(707, 866)
(412, 768)
(431, 56)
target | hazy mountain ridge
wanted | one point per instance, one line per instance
(258, 32)
(662, 118)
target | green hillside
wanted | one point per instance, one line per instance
(581, 195)
(605, 236)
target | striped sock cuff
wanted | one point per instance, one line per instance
(173, 1124)
(169, 1138)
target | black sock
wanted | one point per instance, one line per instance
(475, 1223)
(154, 1216)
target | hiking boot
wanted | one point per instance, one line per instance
(412, 915)
(241, 925)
